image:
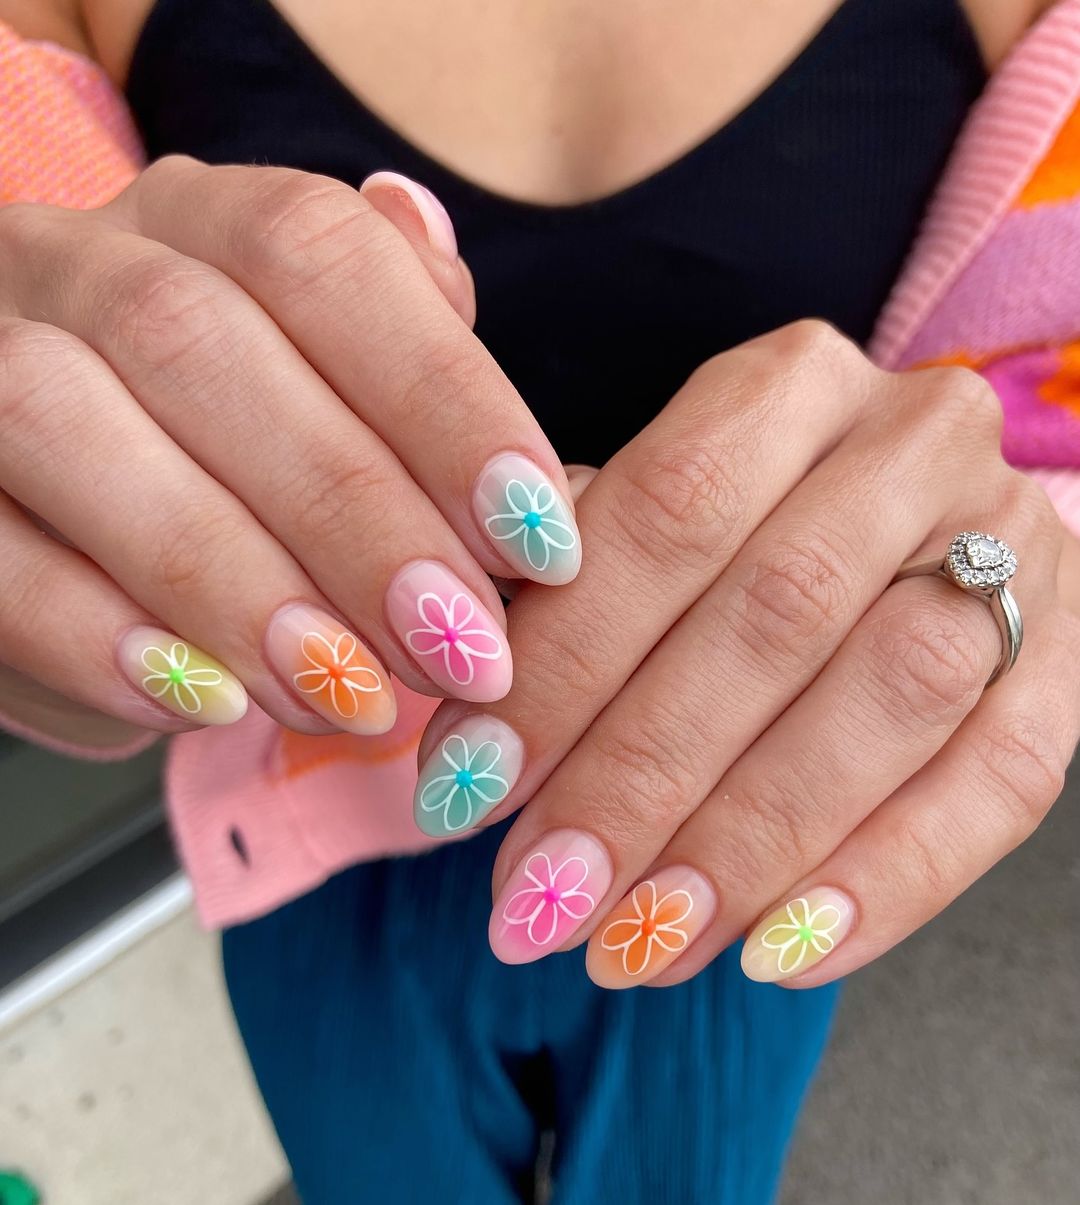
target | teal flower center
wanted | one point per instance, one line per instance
(176, 674)
(464, 778)
(531, 519)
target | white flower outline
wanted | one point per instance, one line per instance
(340, 660)
(669, 929)
(446, 620)
(556, 905)
(513, 524)
(176, 661)
(820, 936)
(464, 762)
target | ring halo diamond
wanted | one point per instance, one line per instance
(977, 561)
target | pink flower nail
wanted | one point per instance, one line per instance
(451, 635)
(551, 893)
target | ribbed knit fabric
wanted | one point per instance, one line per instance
(261, 815)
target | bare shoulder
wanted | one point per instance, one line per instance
(57, 21)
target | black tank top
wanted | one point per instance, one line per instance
(802, 204)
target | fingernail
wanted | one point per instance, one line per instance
(426, 206)
(650, 928)
(331, 670)
(451, 635)
(527, 520)
(798, 935)
(181, 677)
(551, 893)
(470, 772)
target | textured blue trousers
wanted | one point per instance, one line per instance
(402, 1063)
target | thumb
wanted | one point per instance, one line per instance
(421, 218)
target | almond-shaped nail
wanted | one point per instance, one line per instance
(650, 928)
(798, 935)
(331, 670)
(181, 677)
(469, 773)
(450, 634)
(425, 204)
(552, 892)
(528, 522)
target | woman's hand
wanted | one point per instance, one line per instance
(255, 416)
(733, 716)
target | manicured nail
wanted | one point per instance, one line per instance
(330, 670)
(183, 678)
(551, 893)
(528, 521)
(468, 774)
(451, 635)
(798, 935)
(650, 928)
(424, 204)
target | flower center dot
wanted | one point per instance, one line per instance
(648, 927)
(335, 671)
(531, 519)
(806, 933)
(176, 674)
(551, 896)
(463, 778)
(450, 635)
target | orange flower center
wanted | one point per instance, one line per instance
(336, 672)
(648, 927)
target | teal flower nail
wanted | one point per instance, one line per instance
(531, 520)
(470, 788)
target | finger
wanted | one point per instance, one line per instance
(739, 657)
(945, 827)
(664, 518)
(216, 374)
(350, 294)
(67, 626)
(423, 220)
(76, 449)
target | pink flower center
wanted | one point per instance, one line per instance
(450, 635)
(552, 895)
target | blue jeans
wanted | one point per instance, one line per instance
(401, 1063)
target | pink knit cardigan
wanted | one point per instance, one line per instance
(262, 815)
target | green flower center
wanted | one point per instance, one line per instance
(531, 519)
(176, 674)
(806, 933)
(464, 778)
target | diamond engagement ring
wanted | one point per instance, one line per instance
(980, 564)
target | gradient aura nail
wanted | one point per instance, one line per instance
(527, 520)
(331, 670)
(798, 935)
(553, 890)
(650, 928)
(450, 635)
(181, 677)
(469, 773)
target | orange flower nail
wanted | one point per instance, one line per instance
(331, 670)
(650, 928)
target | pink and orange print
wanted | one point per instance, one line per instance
(331, 670)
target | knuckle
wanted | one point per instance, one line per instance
(35, 358)
(928, 665)
(1028, 505)
(790, 595)
(645, 785)
(813, 340)
(1025, 763)
(197, 544)
(778, 821)
(683, 504)
(330, 499)
(290, 222)
(928, 857)
(963, 398)
(160, 308)
(439, 379)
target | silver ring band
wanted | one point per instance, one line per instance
(980, 564)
